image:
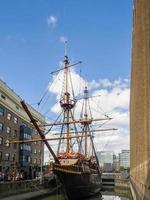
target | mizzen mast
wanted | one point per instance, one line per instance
(85, 121)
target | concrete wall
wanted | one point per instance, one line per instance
(140, 101)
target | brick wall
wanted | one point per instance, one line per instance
(140, 98)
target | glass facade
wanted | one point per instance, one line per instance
(1, 126)
(1, 140)
(124, 158)
(1, 111)
(25, 149)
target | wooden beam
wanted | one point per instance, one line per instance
(36, 140)
(57, 138)
(75, 121)
(39, 131)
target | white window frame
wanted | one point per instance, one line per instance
(9, 116)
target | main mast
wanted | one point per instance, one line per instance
(66, 102)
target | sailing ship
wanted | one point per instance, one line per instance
(79, 173)
(75, 163)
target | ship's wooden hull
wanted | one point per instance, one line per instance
(79, 185)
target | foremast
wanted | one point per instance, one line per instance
(67, 103)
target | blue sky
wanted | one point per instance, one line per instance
(98, 32)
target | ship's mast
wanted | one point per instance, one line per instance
(67, 97)
(66, 102)
(84, 119)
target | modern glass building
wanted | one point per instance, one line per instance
(124, 159)
(106, 160)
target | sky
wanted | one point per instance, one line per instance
(99, 33)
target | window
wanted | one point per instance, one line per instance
(8, 116)
(15, 146)
(22, 158)
(7, 143)
(29, 148)
(3, 97)
(27, 136)
(15, 120)
(7, 155)
(29, 159)
(8, 130)
(35, 151)
(23, 124)
(35, 161)
(35, 142)
(1, 154)
(15, 133)
(17, 107)
(1, 140)
(25, 147)
(13, 157)
(39, 151)
(1, 111)
(1, 126)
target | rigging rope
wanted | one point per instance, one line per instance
(71, 84)
(100, 109)
(58, 149)
(53, 125)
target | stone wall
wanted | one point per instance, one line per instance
(140, 100)
(18, 187)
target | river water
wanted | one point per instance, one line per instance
(101, 197)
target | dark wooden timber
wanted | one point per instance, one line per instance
(75, 121)
(39, 131)
(36, 140)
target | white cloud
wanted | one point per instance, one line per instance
(57, 86)
(106, 83)
(52, 20)
(63, 39)
(112, 99)
(53, 144)
(114, 141)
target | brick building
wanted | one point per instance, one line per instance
(140, 101)
(15, 125)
